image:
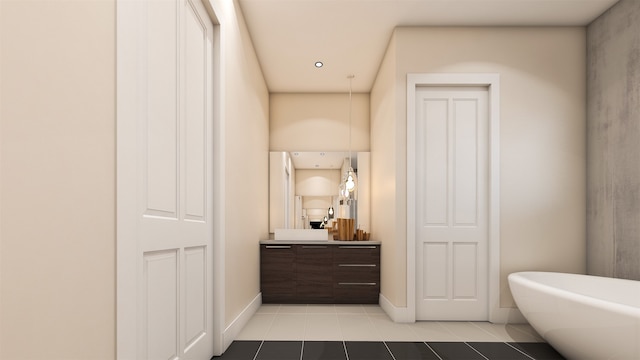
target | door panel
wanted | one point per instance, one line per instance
(465, 269)
(435, 262)
(159, 94)
(195, 294)
(195, 107)
(465, 161)
(435, 162)
(161, 298)
(452, 208)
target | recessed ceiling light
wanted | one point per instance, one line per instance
(318, 64)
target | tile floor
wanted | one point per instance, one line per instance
(354, 332)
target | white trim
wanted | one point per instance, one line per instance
(236, 326)
(496, 314)
(397, 314)
(127, 14)
(218, 276)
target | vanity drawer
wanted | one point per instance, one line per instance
(356, 254)
(357, 292)
(356, 273)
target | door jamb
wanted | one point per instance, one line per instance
(492, 81)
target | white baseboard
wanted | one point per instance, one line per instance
(397, 314)
(498, 316)
(233, 330)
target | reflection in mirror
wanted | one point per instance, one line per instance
(304, 186)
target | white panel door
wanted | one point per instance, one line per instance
(165, 167)
(451, 203)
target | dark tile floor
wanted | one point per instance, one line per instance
(371, 350)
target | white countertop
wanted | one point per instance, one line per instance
(319, 242)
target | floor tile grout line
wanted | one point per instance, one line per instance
(474, 324)
(449, 331)
(302, 350)
(304, 332)
(389, 350)
(373, 325)
(433, 351)
(426, 343)
(374, 318)
(257, 352)
(341, 331)
(276, 311)
(378, 331)
(476, 350)
(520, 351)
(535, 335)
(266, 334)
(346, 353)
(416, 333)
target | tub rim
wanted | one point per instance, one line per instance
(610, 305)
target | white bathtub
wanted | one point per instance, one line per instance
(583, 317)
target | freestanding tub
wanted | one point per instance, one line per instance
(581, 316)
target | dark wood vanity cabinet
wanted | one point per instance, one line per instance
(277, 273)
(320, 274)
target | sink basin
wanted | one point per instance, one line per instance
(301, 234)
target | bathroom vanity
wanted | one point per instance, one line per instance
(320, 272)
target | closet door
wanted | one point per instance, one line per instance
(452, 203)
(165, 233)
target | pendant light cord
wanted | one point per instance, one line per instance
(350, 101)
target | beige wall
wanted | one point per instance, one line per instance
(57, 244)
(317, 182)
(318, 122)
(245, 116)
(387, 144)
(542, 183)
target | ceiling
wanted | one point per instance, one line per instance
(351, 36)
(318, 160)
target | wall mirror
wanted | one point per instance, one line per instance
(304, 185)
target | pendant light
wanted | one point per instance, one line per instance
(350, 179)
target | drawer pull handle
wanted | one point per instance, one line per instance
(357, 284)
(358, 247)
(357, 265)
(313, 247)
(278, 246)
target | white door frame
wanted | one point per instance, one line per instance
(126, 232)
(492, 81)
